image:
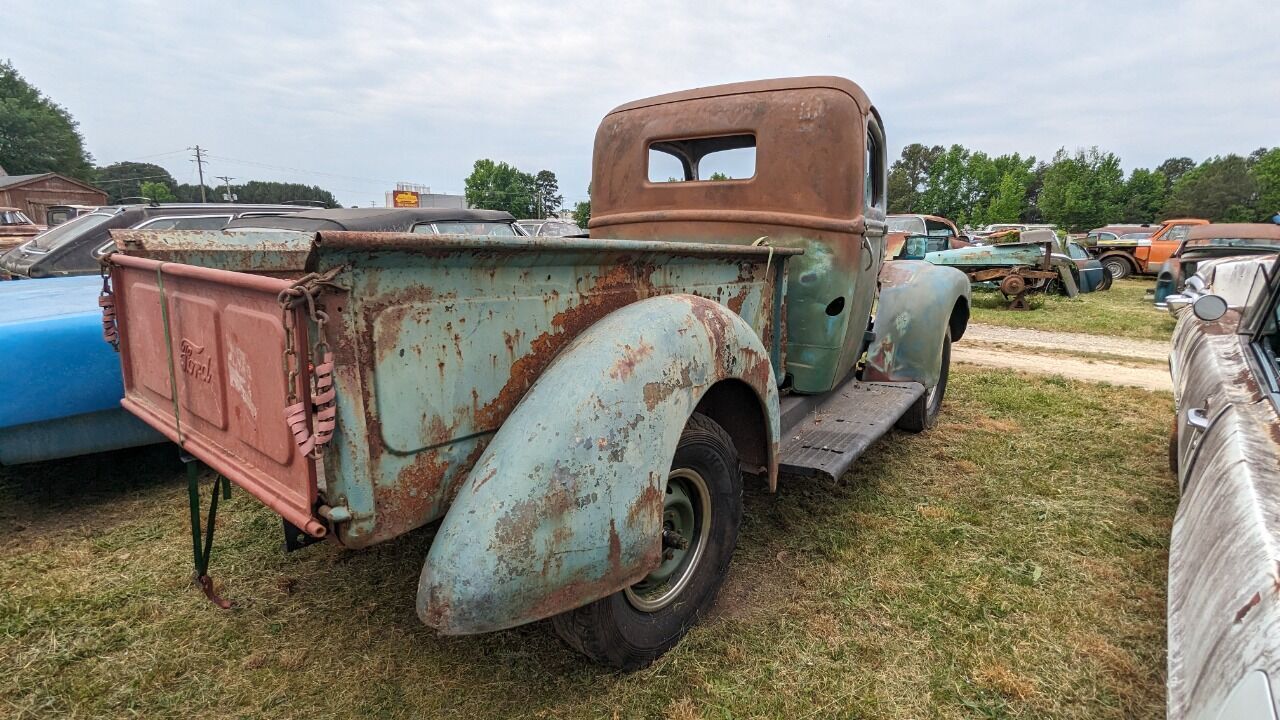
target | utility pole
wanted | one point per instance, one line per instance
(227, 181)
(200, 168)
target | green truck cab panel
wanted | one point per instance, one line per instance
(564, 505)
(919, 303)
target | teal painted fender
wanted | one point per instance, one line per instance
(564, 505)
(918, 302)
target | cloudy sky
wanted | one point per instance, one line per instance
(355, 99)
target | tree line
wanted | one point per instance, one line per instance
(500, 186)
(1081, 190)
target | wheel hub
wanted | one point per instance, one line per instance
(686, 523)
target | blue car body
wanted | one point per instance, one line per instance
(62, 380)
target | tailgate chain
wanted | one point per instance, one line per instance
(310, 442)
(107, 301)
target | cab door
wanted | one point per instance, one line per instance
(872, 243)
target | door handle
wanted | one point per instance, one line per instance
(1198, 419)
(866, 246)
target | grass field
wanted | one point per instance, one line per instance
(1009, 563)
(1123, 311)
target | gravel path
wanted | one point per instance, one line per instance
(1025, 350)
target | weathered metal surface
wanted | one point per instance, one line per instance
(1224, 559)
(440, 337)
(564, 506)
(807, 192)
(983, 256)
(264, 252)
(202, 351)
(919, 302)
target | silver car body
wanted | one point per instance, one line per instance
(1224, 555)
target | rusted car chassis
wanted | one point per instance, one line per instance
(576, 412)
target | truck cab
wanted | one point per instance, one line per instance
(578, 414)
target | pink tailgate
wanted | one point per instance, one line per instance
(224, 357)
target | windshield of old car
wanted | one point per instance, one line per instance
(458, 227)
(559, 229)
(1076, 252)
(909, 225)
(13, 217)
(68, 231)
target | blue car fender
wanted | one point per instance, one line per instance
(918, 303)
(564, 505)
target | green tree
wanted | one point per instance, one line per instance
(1266, 173)
(36, 134)
(909, 177)
(261, 191)
(1083, 190)
(125, 179)
(582, 211)
(717, 175)
(499, 186)
(1221, 189)
(1174, 168)
(157, 191)
(547, 197)
(1145, 194)
(951, 188)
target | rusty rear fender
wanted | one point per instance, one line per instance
(564, 505)
(919, 302)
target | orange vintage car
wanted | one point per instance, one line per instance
(1127, 256)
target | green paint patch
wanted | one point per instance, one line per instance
(1008, 563)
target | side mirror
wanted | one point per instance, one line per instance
(1209, 307)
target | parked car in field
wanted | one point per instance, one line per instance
(76, 246)
(63, 387)
(16, 228)
(550, 228)
(1116, 232)
(1217, 240)
(1224, 551)
(57, 214)
(1021, 261)
(577, 413)
(914, 236)
(1137, 253)
(431, 221)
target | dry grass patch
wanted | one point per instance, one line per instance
(1008, 564)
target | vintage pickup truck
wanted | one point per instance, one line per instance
(578, 413)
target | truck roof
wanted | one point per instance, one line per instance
(369, 219)
(844, 85)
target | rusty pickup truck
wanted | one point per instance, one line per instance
(578, 414)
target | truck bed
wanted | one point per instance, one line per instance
(435, 340)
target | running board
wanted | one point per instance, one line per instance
(827, 433)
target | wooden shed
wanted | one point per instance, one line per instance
(34, 194)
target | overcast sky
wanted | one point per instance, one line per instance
(355, 99)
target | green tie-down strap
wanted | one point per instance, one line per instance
(201, 550)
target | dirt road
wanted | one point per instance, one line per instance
(1139, 363)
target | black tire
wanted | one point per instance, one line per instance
(1173, 450)
(1117, 267)
(1106, 281)
(923, 413)
(612, 631)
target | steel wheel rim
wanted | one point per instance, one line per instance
(686, 489)
(1115, 270)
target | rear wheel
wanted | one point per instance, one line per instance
(701, 512)
(923, 413)
(1107, 279)
(1117, 267)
